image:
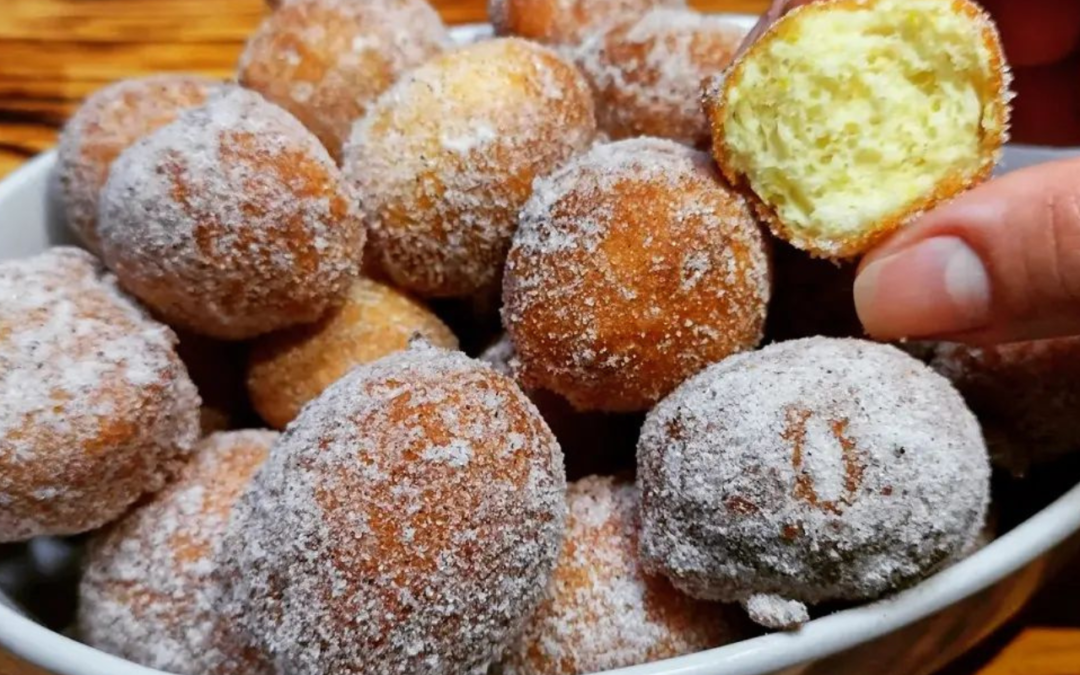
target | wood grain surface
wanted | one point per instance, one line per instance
(54, 52)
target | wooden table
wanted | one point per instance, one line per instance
(54, 52)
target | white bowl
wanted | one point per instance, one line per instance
(913, 633)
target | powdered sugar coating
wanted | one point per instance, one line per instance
(326, 61)
(633, 268)
(406, 523)
(147, 591)
(564, 22)
(647, 72)
(445, 159)
(601, 610)
(107, 123)
(232, 221)
(812, 470)
(96, 409)
(501, 356)
(1026, 395)
(290, 368)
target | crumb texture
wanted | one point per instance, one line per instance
(847, 116)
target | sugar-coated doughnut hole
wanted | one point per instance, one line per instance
(290, 368)
(592, 442)
(147, 591)
(1026, 394)
(646, 72)
(326, 61)
(602, 611)
(232, 221)
(633, 268)
(564, 22)
(96, 409)
(107, 123)
(405, 524)
(444, 160)
(810, 471)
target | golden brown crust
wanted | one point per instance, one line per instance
(612, 310)
(602, 611)
(715, 103)
(147, 589)
(232, 221)
(645, 72)
(288, 369)
(404, 525)
(96, 409)
(106, 124)
(445, 159)
(563, 22)
(326, 61)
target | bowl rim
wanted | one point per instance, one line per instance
(821, 637)
(824, 636)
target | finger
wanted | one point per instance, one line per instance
(998, 264)
(1036, 32)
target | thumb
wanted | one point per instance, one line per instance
(1000, 263)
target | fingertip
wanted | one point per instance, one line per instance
(938, 285)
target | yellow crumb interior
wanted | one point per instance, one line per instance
(849, 115)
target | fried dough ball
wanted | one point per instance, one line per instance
(96, 409)
(232, 221)
(106, 124)
(564, 22)
(406, 523)
(602, 611)
(147, 591)
(646, 72)
(810, 471)
(633, 268)
(592, 442)
(446, 158)
(1026, 394)
(326, 61)
(290, 368)
(848, 119)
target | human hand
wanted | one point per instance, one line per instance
(1001, 262)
